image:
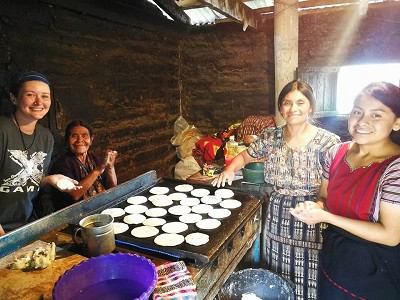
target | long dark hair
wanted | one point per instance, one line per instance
(389, 95)
(302, 87)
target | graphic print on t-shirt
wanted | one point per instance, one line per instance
(31, 172)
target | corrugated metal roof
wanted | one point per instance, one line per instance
(208, 12)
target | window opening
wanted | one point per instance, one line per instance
(351, 79)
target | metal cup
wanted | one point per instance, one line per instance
(97, 233)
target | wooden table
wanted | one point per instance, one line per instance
(38, 284)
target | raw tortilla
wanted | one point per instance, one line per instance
(219, 213)
(209, 199)
(159, 190)
(174, 227)
(159, 198)
(190, 201)
(134, 219)
(197, 238)
(154, 222)
(208, 224)
(177, 196)
(162, 202)
(120, 227)
(224, 193)
(137, 200)
(156, 212)
(230, 203)
(202, 208)
(169, 239)
(114, 212)
(144, 231)
(184, 188)
(179, 210)
(136, 209)
(190, 218)
(65, 184)
(200, 192)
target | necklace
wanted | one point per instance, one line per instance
(25, 151)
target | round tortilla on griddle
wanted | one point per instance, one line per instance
(134, 219)
(202, 208)
(174, 227)
(190, 218)
(144, 231)
(177, 196)
(224, 193)
(120, 227)
(210, 199)
(156, 212)
(159, 190)
(208, 224)
(230, 203)
(162, 202)
(137, 200)
(197, 238)
(184, 188)
(169, 239)
(190, 201)
(200, 193)
(136, 209)
(179, 210)
(114, 212)
(153, 198)
(154, 222)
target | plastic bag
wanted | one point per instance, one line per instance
(182, 131)
(186, 167)
(185, 137)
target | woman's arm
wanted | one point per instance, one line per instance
(110, 169)
(240, 160)
(386, 231)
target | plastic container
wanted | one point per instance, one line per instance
(111, 276)
(253, 172)
(256, 284)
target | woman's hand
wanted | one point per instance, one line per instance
(2, 232)
(226, 176)
(229, 174)
(309, 212)
(111, 156)
(61, 182)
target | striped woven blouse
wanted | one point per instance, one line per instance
(356, 193)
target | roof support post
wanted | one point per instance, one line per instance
(286, 46)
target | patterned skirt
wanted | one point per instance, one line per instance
(290, 247)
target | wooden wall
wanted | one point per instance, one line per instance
(132, 80)
(122, 79)
(227, 75)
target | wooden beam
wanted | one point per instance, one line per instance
(313, 4)
(234, 9)
(175, 12)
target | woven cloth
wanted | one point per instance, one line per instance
(254, 125)
(174, 283)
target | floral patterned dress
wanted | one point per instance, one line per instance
(290, 247)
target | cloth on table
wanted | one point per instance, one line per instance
(174, 283)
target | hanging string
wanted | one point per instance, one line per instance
(22, 137)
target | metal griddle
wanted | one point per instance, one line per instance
(193, 255)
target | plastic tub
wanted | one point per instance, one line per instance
(253, 172)
(112, 276)
(256, 284)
